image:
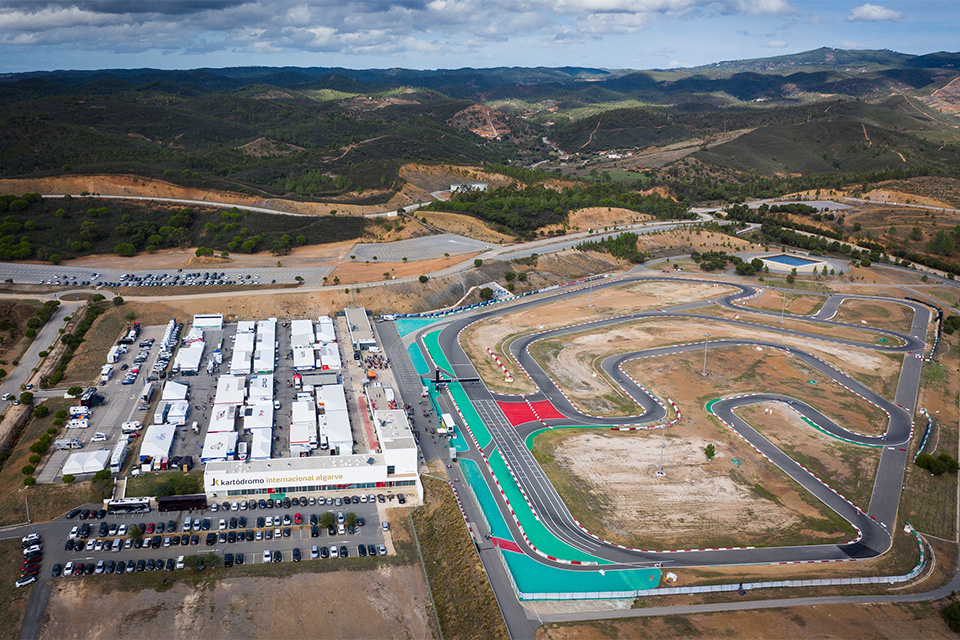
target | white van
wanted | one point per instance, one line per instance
(180, 562)
(133, 426)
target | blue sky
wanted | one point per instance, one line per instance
(430, 34)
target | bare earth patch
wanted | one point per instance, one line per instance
(350, 272)
(464, 225)
(682, 241)
(600, 217)
(390, 602)
(823, 622)
(800, 304)
(879, 314)
(608, 480)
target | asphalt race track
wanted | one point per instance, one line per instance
(874, 524)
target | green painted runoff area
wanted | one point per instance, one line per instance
(532, 577)
(409, 325)
(498, 526)
(536, 532)
(473, 419)
(419, 362)
(432, 340)
(836, 437)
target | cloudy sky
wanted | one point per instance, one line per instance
(430, 34)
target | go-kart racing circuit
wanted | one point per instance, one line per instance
(543, 545)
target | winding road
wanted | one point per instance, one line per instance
(874, 523)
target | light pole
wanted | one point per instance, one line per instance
(705, 342)
(663, 436)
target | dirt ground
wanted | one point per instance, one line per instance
(682, 241)
(850, 333)
(601, 217)
(868, 621)
(573, 359)
(497, 333)
(390, 602)
(879, 314)
(848, 468)
(311, 256)
(464, 226)
(351, 272)
(800, 304)
(608, 480)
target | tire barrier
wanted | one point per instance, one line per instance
(926, 434)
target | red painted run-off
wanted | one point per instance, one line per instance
(517, 412)
(506, 545)
(546, 410)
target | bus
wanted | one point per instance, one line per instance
(129, 505)
(90, 398)
(182, 503)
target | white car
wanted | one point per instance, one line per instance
(266, 556)
(334, 552)
(99, 436)
(314, 552)
(122, 530)
(223, 524)
(180, 562)
(74, 532)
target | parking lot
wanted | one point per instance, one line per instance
(114, 279)
(244, 534)
(120, 405)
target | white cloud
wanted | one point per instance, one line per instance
(775, 44)
(873, 13)
(344, 26)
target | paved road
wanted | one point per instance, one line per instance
(46, 337)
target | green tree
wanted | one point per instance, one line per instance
(29, 481)
(477, 262)
(351, 518)
(916, 233)
(424, 278)
(67, 479)
(941, 244)
(26, 398)
(486, 293)
(117, 301)
(710, 451)
(125, 249)
(135, 533)
(74, 391)
(951, 615)
(327, 519)
(41, 411)
(27, 470)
